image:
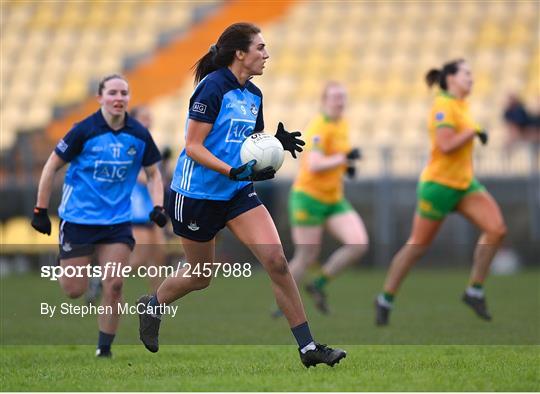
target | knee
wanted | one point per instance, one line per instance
(200, 282)
(306, 254)
(73, 289)
(357, 250)
(112, 289)
(276, 263)
(497, 233)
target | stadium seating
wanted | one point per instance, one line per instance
(54, 52)
(380, 50)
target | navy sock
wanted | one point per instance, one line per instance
(105, 341)
(154, 303)
(302, 335)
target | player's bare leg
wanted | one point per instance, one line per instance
(307, 246)
(149, 251)
(180, 283)
(118, 254)
(266, 246)
(349, 229)
(482, 210)
(74, 287)
(423, 232)
(175, 287)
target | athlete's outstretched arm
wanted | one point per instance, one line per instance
(53, 164)
(448, 140)
(155, 184)
(317, 161)
(196, 134)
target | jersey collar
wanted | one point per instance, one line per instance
(228, 74)
(129, 122)
(447, 94)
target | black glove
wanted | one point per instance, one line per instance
(289, 141)
(41, 221)
(482, 135)
(351, 171)
(354, 154)
(166, 153)
(158, 216)
(246, 172)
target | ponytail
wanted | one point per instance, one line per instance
(236, 37)
(204, 66)
(434, 75)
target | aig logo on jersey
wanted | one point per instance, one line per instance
(62, 146)
(111, 171)
(199, 107)
(239, 130)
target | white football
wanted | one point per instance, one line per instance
(264, 148)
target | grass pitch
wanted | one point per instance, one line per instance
(271, 368)
(224, 340)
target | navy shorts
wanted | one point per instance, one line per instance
(200, 220)
(78, 240)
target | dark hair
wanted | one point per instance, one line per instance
(435, 75)
(101, 85)
(236, 37)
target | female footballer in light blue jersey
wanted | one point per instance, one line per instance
(212, 189)
(106, 152)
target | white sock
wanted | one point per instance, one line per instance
(474, 292)
(382, 302)
(309, 346)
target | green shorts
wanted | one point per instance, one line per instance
(435, 201)
(305, 210)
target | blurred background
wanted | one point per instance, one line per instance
(53, 54)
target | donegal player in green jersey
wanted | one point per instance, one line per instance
(317, 201)
(448, 184)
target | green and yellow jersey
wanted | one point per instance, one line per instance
(454, 169)
(329, 137)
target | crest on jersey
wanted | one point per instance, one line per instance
(131, 151)
(254, 109)
(439, 116)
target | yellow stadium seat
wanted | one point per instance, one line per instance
(37, 116)
(18, 235)
(74, 90)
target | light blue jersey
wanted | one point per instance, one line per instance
(235, 112)
(141, 204)
(103, 169)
